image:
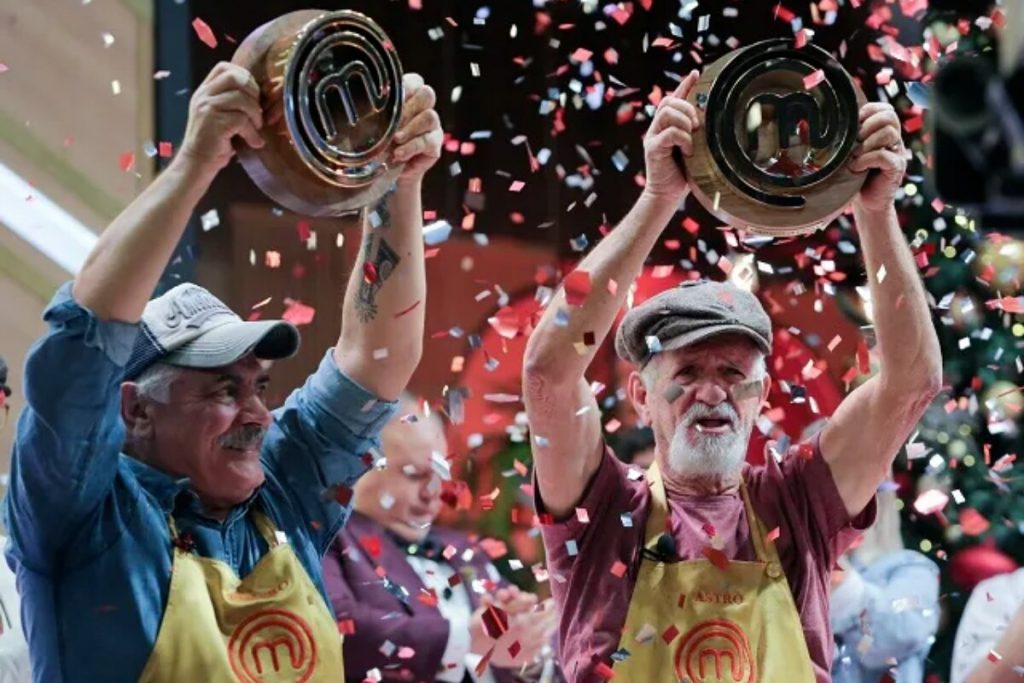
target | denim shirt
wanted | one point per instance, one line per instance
(88, 524)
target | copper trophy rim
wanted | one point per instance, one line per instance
(730, 185)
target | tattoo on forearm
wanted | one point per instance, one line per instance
(379, 262)
(379, 259)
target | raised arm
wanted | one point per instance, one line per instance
(889, 405)
(123, 268)
(382, 325)
(564, 421)
(70, 433)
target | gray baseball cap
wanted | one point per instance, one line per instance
(189, 327)
(690, 313)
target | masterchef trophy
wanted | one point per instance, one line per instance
(339, 82)
(780, 125)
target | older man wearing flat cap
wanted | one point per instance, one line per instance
(704, 568)
(165, 524)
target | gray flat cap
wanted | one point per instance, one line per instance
(689, 313)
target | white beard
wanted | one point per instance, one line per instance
(710, 455)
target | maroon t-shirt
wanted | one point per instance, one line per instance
(799, 497)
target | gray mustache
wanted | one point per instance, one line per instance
(244, 438)
(699, 411)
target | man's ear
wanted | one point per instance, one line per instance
(638, 394)
(136, 411)
(766, 388)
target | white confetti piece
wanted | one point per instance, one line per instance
(210, 220)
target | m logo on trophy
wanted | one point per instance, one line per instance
(780, 127)
(339, 82)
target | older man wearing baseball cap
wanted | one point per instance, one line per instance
(165, 525)
(704, 568)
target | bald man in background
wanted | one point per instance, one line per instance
(413, 597)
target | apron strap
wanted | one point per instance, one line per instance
(757, 532)
(266, 528)
(657, 521)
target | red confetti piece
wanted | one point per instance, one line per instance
(204, 32)
(618, 569)
(495, 622)
(126, 161)
(973, 522)
(772, 535)
(516, 186)
(302, 227)
(604, 671)
(582, 515)
(298, 313)
(813, 79)
(717, 558)
(347, 627)
(691, 226)
(1010, 304)
(165, 150)
(783, 13)
(514, 649)
(670, 634)
(371, 545)
(342, 494)
(427, 597)
(369, 272)
(577, 287)
(581, 54)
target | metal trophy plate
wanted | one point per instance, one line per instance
(339, 80)
(780, 126)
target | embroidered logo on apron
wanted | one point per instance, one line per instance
(272, 645)
(715, 651)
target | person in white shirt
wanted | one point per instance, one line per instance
(14, 662)
(989, 646)
(413, 599)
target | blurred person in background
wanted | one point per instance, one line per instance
(989, 644)
(14, 661)
(394, 577)
(885, 605)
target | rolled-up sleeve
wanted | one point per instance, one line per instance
(70, 433)
(317, 443)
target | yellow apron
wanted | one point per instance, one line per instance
(699, 623)
(270, 627)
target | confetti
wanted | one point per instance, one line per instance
(204, 32)
(577, 287)
(931, 502)
(716, 557)
(210, 220)
(813, 79)
(298, 313)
